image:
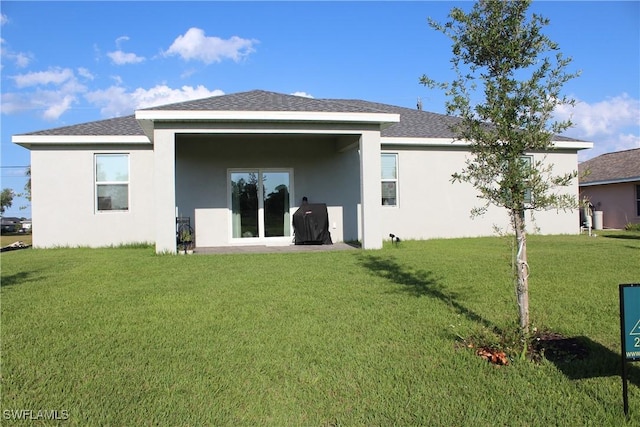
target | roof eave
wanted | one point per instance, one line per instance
(147, 118)
(27, 141)
(572, 145)
(610, 181)
(450, 141)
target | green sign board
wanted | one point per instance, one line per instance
(629, 333)
(630, 320)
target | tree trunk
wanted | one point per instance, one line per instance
(522, 270)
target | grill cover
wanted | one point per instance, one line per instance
(311, 225)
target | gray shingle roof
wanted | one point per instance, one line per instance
(611, 167)
(413, 123)
(260, 100)
(127, 125)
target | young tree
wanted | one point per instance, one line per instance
(27, 186)
(6, 199)
(508, 82)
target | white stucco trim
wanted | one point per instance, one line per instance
(266, 116)
(148, 118)
(450, 142)
(573, 145)
(28, 140)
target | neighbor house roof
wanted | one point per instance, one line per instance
(413, 123)
(611, 168)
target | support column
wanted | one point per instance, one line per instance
(164, 181)
(370, 190)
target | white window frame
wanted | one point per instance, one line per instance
(97, 183)
(391, 180)
(261, 226)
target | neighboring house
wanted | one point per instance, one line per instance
(239, 165)
(10, 224)
(611, 182)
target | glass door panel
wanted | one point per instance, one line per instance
(244, 204)
(275, 190)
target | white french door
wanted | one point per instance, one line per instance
(260, 204)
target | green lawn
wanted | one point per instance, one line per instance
(126, 337)
(7, 239)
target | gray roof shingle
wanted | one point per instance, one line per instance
(611, 167)
(413, 123)
(260, 100)
(127, 126)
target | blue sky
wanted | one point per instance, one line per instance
(72, 62)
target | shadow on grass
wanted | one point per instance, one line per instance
(420, 283)
(622, 236)
(16, 279)
(598, 362)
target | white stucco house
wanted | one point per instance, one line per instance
(238, 166)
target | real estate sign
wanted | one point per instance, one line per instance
(630, 320)
(629, 333)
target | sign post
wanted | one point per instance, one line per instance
(629, 332)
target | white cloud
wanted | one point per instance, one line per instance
(83, 72)
(121, 58)
(52, 92)
(3, 19)
(116, 101)
(612, 124)
(58, 107)
(121, 39)
(13, 103)
(302, 94)
(54, 76)
(20, 59)
(602, 118)
(51, 103)
(194, 45)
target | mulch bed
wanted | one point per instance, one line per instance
(548, 345)
(557, 348)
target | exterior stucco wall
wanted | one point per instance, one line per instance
(319, 171)
(616, 201)
(431, 206)
(63, 198)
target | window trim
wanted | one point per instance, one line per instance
(638, 200)
(97, 183)
(528, 194)
(391, 180)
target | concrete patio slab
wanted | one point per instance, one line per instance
(340, 246)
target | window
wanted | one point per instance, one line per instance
(112, 182)
(638, 200)
(389, 176)
(527, 162)
(260, 206)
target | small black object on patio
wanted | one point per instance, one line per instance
(311, 224)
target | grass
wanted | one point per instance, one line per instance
(122, 336)
(7, 239)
